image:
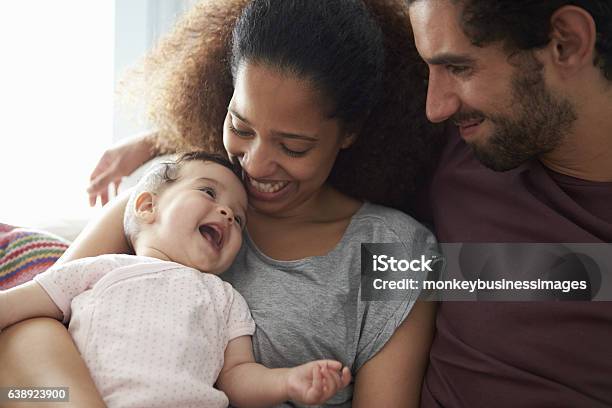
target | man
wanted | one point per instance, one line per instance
(528, 86)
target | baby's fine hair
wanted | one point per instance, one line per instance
(159, 177)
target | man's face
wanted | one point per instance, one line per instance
(500, 104)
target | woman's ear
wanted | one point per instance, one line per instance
(144, 207)
(348, 140)
(572, 38)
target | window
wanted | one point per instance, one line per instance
(56, 96)
(60, 60)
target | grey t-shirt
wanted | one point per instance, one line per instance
(310, 308)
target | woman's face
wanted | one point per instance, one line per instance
(278, 128)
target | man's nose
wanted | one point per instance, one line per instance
(442, 100)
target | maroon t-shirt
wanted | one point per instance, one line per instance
(518, 354)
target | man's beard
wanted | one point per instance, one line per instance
(540, 122)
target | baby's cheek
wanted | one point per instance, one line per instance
(234, 247)
(230, 251)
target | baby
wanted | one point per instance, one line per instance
(153, 329)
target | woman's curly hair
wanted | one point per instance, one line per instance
(186, 82)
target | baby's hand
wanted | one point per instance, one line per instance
(315, 382)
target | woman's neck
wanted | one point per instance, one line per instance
(312, 232)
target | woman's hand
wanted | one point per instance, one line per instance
(117, 162)
(315, 382)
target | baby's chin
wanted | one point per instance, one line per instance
(213, 269)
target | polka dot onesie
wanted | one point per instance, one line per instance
(152, 332)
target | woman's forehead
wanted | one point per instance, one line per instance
(267, 97)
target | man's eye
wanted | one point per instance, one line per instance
(210, 191)
(457, 69)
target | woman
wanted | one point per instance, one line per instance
(321, 119)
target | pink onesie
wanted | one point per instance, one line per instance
(152, 332)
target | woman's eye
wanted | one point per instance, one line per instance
(210, 191)
(239, 133)
(294, 153)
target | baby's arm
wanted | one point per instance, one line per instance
(24, 302)
(51, 292)
(248, 384)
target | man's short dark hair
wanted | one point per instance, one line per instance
(525, 24)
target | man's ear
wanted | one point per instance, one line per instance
(572, 38)
(144, 207)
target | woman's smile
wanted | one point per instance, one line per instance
(267, 190)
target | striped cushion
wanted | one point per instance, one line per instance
(24, 253)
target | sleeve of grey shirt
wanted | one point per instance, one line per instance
(380, 318)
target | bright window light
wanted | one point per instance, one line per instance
(56, 99)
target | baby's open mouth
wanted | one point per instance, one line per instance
(213, 234)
